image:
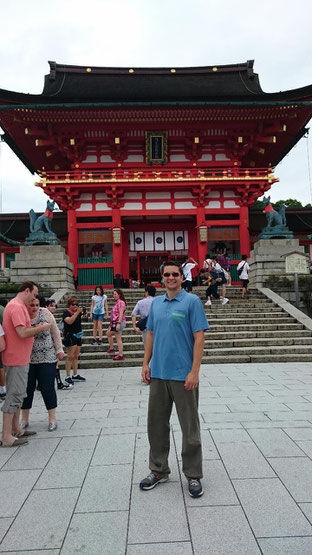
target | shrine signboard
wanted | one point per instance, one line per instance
(296, 263)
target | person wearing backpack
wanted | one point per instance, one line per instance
(242, 270)
(187, 268)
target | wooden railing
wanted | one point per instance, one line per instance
(158, 174)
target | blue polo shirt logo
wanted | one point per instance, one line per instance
(178, 316)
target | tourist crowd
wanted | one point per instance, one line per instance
(31, 341)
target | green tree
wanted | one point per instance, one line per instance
(289, 202)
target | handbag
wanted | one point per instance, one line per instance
(141, 324)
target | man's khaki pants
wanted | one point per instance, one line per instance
(163, 393)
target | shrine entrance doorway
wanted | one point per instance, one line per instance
(145, 267)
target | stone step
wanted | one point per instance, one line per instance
(211, 359)
(132, 337)
(98, 351)
(249, 351)
(260, 327)
(249, 330)
(303, 349)
(251, 335)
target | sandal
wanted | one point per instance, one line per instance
(15, 443)
(26, 433)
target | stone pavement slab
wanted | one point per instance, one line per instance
(221, 531)
(178, 548)
(158, 515)
(42, 521)
(296, 475)
(76, 490)
(97, 533)
(270, 509)
(22, 482)
(106, 488)
(286, 546)
(5, 524)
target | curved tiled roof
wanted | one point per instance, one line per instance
(78, 84)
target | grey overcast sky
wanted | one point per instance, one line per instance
(276, 33)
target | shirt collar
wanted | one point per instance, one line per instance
(178, 297)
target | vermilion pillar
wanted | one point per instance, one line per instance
(72, 240)
(201, 246)
(244, 231)
(117, 248)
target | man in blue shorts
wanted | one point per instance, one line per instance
(175, 338)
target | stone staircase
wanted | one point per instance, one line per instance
(244, 330)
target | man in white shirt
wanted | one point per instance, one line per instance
(243, 274)
(143, 308)
(187, 268)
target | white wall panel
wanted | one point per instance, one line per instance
(182, 205)
(135, 158)
(158, 195)
(179, 240)
(101, 196)
(206, 157)
(183, 194)
(229, 204)
(158, 205)
(90, 159)
(85, 196)
(132, 195)
(139, 241)
(213, 204)
(169, 240)
(106, 158)
(149, 240)
(85, 207)
(131, 241)
(159, 241)
(227, 194)
(102, 206)
(178, 158)
(132, 206)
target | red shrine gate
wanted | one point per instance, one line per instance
(153, 163)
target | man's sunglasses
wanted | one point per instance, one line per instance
(173, 274)
(74, 304)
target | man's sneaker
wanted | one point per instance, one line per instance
(194, 487)
(69, 381)
(110, 351)
(94, 342)
(224, 300)
(99, 341)
(208, 303)
(78, 378)
(152, 480)
(64, 386)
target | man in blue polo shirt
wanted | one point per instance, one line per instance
(175, 338)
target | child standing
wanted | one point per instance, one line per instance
(98, 311)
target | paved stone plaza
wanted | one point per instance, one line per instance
(76, 490)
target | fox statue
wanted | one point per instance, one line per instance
(37, 223)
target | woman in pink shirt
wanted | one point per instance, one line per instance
(117, 324)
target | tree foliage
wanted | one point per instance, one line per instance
(291, 202)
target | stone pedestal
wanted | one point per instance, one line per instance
(266, 258)
(47, 265)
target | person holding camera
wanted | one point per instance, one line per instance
(72, 338)
(117, 324)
